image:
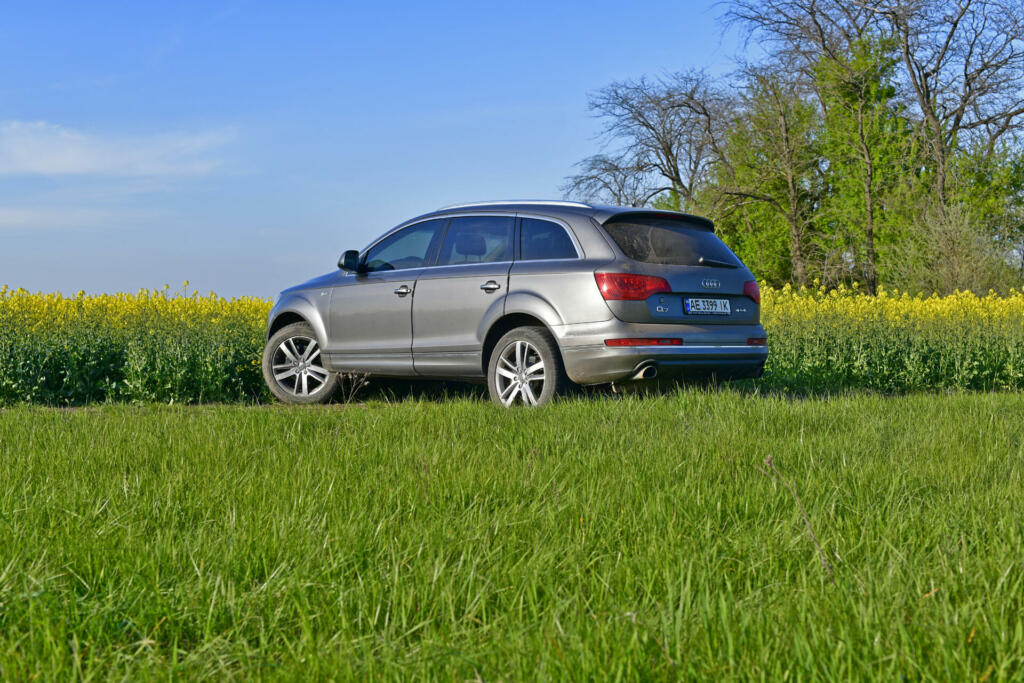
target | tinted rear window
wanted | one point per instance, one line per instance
(667, 241)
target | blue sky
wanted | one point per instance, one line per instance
(243, 145)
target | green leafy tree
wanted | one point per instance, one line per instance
(991, 184)
(768, 181)
(869, 147)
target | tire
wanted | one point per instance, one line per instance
(513, 363)
(293, 367)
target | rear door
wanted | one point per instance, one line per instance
(370, 321)
(455, 298)
(706, 279)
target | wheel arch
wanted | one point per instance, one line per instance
(284, 318)
(297, 309)
(506, 324)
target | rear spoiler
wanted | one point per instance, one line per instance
(612, 216)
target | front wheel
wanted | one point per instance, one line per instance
(293, 366)
(525, 367)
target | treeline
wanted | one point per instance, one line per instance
(874, 141)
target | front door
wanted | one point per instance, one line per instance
(370, 325)
(456, 300)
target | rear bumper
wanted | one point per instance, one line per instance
(707, 350)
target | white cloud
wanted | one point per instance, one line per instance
(48, 218)
(41, 148)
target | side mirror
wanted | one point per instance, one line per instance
(349, 260)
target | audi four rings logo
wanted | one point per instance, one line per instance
(710, 283)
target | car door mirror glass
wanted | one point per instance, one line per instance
(349, 260)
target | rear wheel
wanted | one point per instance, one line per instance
(293, 366)
(525, 368)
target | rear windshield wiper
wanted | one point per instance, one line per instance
(715, 263)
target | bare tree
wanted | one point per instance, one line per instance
(802, 32)
(964, 63)
(666, 134)
(617, 180)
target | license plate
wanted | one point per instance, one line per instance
(707, 306)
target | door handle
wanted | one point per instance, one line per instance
(403, 290)
(490, 286)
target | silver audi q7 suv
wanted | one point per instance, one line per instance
(530, 296)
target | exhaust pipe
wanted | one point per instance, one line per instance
(647, 371)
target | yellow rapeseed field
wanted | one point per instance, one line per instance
(895, 308)
(156, 345)
(828, 339)
(150, 346)
(28, 311)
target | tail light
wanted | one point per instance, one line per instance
(757, 341)
(629, 287)
(644, 341)
(751, 289)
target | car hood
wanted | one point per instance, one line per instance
(325, 280)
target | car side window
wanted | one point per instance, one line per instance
(544, 240)
(409, 248)
(477, 239)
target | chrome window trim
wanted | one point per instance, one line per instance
(463, 265)
(565, 226)
(514, 214)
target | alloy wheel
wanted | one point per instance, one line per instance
(520, 374)
(298, 366)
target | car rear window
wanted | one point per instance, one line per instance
(668, 241)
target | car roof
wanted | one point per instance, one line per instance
(601, 213)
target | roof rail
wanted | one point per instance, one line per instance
(550, 202)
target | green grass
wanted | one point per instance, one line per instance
(592, 539)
